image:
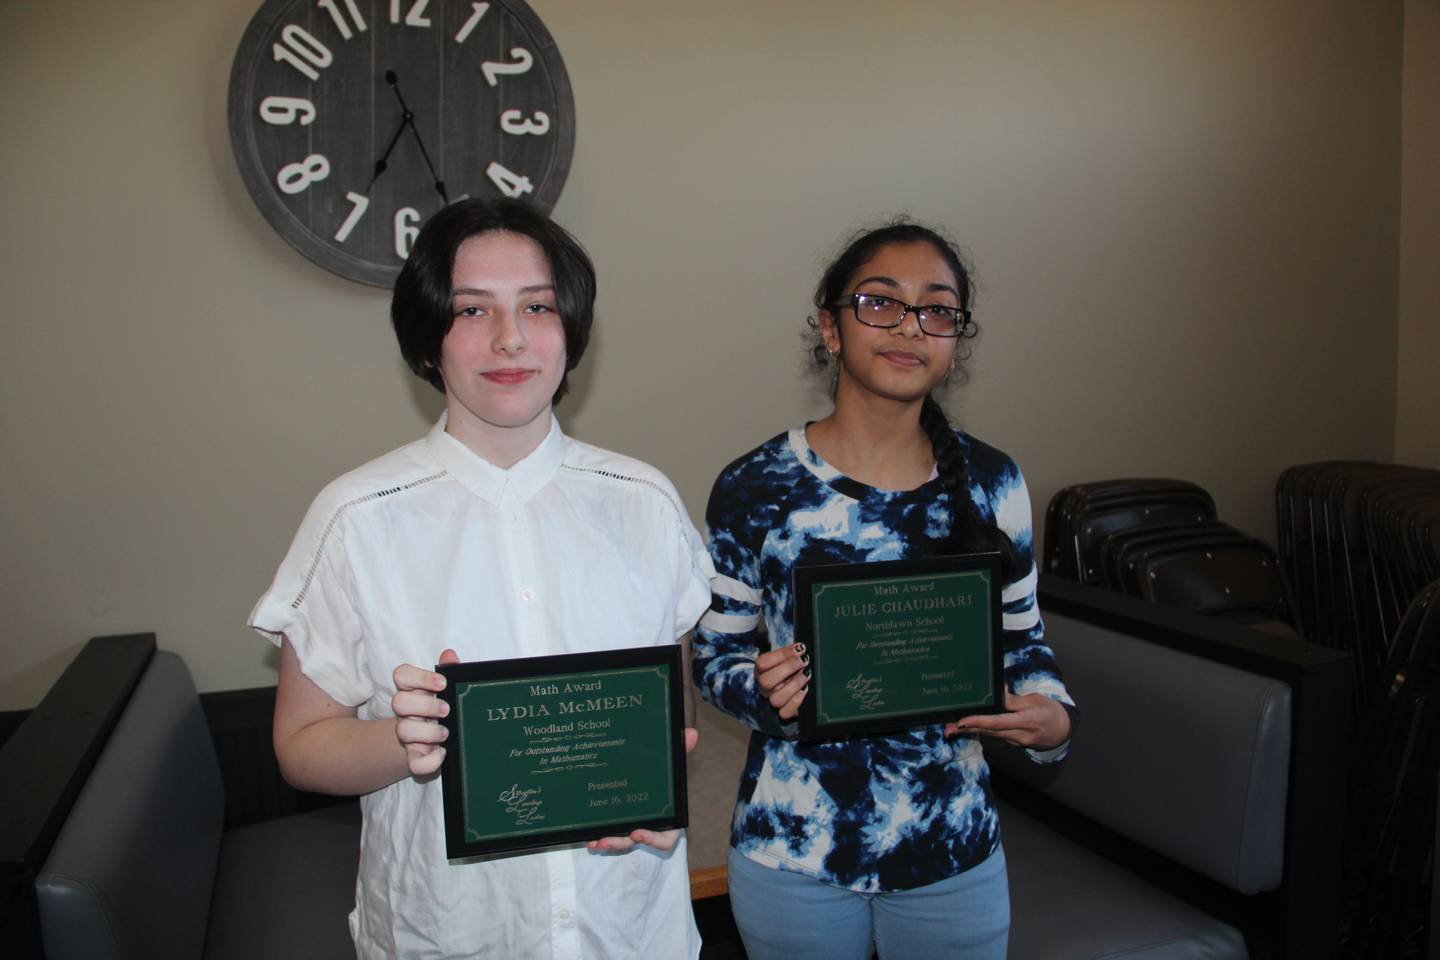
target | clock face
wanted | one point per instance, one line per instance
(353, 121)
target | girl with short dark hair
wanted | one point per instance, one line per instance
(496, 536)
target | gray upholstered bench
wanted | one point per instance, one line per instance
(1068, 902)
(1210, 761)
(140, 865)
(1199, 814)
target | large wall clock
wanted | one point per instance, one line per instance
(354, 120)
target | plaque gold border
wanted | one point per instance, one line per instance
(464, 678)
(810, 582)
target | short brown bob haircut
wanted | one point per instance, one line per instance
(421, 310)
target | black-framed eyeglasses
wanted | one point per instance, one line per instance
(936, 320)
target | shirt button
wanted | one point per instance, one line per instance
(527, 594)
(563, 913)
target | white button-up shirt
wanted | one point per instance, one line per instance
(572, 549)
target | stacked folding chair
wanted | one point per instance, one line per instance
(1080, 517)
(1160, 540)
(1358, 541)
(1361, 543)
(1389, 850)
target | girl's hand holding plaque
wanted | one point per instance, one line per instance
(662, 840)
(783, 677)
(417, 712)
(1034, 721)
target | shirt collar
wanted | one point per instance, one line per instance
(800, 446)
(826, 473)
(489, 482)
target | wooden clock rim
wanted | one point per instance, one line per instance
(294, 231)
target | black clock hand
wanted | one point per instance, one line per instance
(439, 184)
(382, 165)
(394, 81)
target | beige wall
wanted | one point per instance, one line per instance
(1184, 217)
(1417, 400)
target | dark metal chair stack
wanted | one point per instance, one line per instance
(1160, 540)
(1389, 849)
(1358, 541)
(1361, 543)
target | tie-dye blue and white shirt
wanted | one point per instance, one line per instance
(868, 814)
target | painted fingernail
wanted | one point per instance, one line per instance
(805, 659)
(799, 648)
(806, 672)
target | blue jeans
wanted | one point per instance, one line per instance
(789, 916)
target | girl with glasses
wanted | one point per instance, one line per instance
(495, 536)
(886, 842)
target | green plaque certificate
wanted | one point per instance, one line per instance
(899, 643)
(553, 750)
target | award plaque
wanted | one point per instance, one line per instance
(552, 750)
(899, 643)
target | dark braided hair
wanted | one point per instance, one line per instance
(969, 532)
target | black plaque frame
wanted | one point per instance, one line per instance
(806, 579)
(460, 675)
